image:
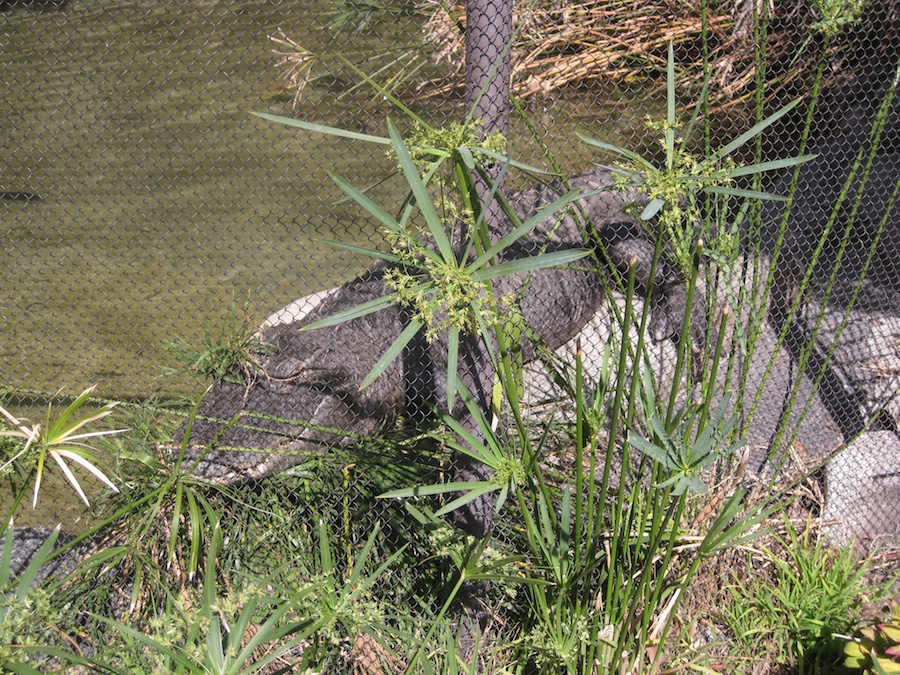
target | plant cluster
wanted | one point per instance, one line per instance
(876, 649)
(675, 198)
(27, 616)
(459, 300)
(445, 273)
(812, 596)
(231, 353)
(837, 15)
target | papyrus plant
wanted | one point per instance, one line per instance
(434, 269)
(675, 193)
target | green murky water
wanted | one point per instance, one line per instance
(164, 199)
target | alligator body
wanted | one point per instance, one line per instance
(313, 377)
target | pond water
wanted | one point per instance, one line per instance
(165, 203)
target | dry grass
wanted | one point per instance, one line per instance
(296, 64)
(604, 43)
(582, 43)
(611, 42)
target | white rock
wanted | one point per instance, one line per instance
(862, 492)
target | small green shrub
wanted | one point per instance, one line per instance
(231, 352)
(813, 593)
(224, 634)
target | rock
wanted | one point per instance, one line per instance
(786, 422)
(864, 351)
(862, 493)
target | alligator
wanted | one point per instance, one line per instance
(313, 377)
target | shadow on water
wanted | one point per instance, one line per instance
(141, 199)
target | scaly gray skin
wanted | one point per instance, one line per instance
(27, 541)
(313, 377)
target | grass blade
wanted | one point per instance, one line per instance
(627, 154)
(472, 490)
(322, 129)
(86, 460)
(392, 353)
(6, 554)
(369, 206)
(196, 525)
(452, 365)
(434, 489)
(754, 131)
(371, 252)
(57, 456)
(773, 165)
(532, 263)
(748, 194)
(420, 193)
(355, 312)
(521, 230)
(26, 580)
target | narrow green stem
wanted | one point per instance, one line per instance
(579, 453)
(621, 383)
(685, 341)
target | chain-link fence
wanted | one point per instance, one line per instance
(142, 199)
(143, 205)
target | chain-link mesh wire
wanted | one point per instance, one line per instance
(142, 203)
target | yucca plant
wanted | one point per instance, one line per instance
(876, 648)
(62, 439)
